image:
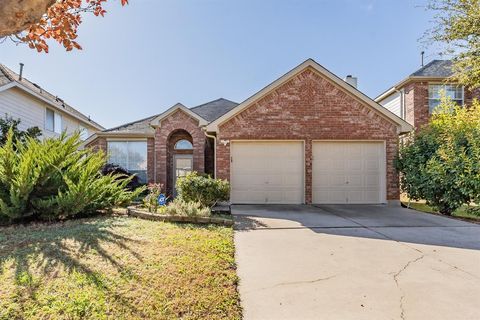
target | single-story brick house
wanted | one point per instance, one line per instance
(308, 137)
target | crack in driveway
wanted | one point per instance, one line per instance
(395, 278)
(296, 283)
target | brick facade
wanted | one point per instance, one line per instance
(417, 104)
(174, 123)
(310, 107)
(98, 144)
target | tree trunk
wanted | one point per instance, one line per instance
(17, 15)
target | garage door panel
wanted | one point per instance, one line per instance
(348, 172)
(267, 172)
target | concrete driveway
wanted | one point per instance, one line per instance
(356, 262)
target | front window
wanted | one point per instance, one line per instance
(130, 155)
(183, 145)
(435, 91)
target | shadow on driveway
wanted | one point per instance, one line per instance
(383, 222)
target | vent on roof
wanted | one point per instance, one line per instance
(21, 72)
(58, 100)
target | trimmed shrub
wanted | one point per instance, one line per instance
(202, 189)
(52, 179)
(179, 207)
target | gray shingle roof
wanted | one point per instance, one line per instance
(7, 76)
(213, 110)
(139, 126)
(435, 68)
(209, 111)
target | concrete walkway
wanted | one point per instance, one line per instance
(356, 262)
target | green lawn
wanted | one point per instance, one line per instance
(462, 212)
(117, 268)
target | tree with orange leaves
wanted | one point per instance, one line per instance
(35, 21)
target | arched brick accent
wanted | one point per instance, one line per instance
(178, 120)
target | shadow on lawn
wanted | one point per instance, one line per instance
(47, 249)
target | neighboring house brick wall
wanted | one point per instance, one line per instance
(417, 104)
(178, 120)
(99, 144)
(309, 107)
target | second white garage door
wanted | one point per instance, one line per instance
(267, 172)
(348, 172)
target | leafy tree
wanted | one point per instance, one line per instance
(35, 21)
(8, 123)
(441, 163)
(457, 29)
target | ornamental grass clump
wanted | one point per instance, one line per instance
(179, 207)
(53, 179)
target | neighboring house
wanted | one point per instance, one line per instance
(414, 98)
(27, 101)
(308, 137)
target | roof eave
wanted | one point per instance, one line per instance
(402, 83)
(33, 93)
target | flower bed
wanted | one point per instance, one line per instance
(143, 214)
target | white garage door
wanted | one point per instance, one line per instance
(267, 172)
(348, 172)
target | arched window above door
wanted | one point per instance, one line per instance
(183, 145)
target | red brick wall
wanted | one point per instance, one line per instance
(310, 107)
(416, 102)
(99, 143)
(178, 120)
(150, 160)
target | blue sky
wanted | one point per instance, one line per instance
(141, 59)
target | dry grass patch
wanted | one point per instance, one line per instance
(117, 268)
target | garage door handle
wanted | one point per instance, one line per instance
(346, 182)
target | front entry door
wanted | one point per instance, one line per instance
(182, 165)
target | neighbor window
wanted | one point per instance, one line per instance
(130, 155)
(83, 132)
(53, 121)
(435, 91)
(183, 145)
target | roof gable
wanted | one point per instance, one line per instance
(310, 63)
(156, 122)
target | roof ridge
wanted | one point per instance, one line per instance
(203, 104)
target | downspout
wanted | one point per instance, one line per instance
(214, 152)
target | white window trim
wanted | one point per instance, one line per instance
(128, 140)
(444, 85)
